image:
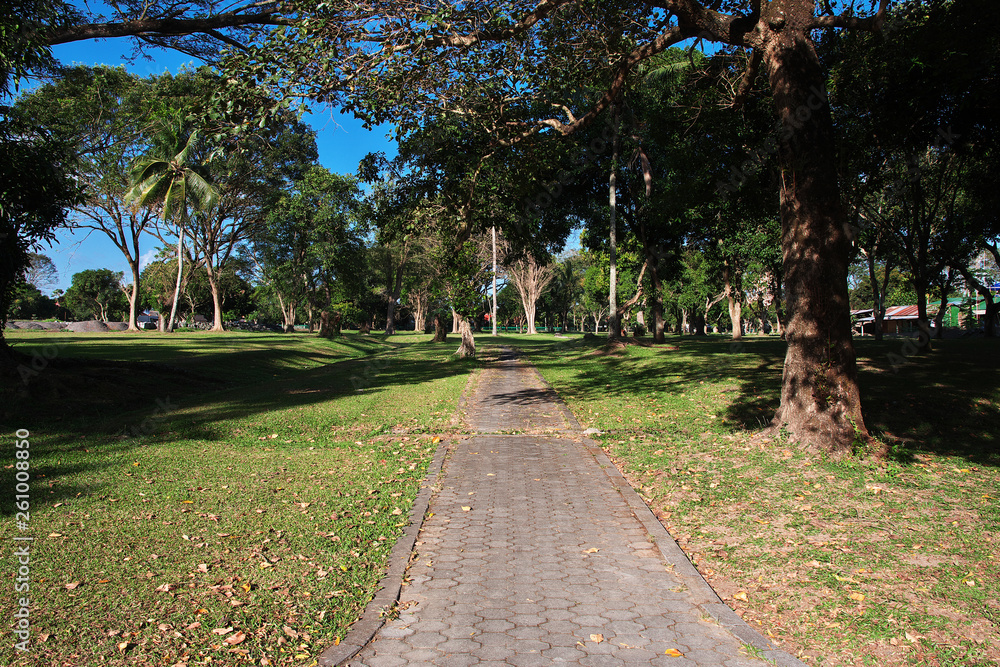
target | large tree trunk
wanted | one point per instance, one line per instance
(736, 317)
(468, 346)
(735, 305)
(329, 324)
(529, 313)
(288, 313)
(698, 323)
(440, 332)
(456, 322)
(820, 402)
(390, 317)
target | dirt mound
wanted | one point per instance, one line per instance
(12, 325)
(52, 326)
(35, 326)
(118, 326)
(90, 326)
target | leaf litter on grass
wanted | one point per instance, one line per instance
(840, 563)
(228, 532)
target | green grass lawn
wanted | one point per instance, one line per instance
(214, 499)
(858, 562)
(229, 499)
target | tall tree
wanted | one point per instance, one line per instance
(42, 272)
(36, 189)
(95, 294)
(530, 278)
(309, 250)
(106, 112)
(167, 177)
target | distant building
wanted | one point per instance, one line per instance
(903, 319)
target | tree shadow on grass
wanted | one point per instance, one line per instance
(947, 402)
(86, 414)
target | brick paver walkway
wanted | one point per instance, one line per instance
(533, 557)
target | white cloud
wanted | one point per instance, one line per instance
(147, 257)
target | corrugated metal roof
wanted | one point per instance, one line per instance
(901, 313)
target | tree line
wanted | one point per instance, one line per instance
(809, 135)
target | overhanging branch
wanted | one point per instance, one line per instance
(165, 27)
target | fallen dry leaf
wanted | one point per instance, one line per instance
(597, 639)
(858, 596)
(235, 639)
(742, 595)
(673, 653)
(591, 550)
(222, 631)
(72, 586)
(466, 508)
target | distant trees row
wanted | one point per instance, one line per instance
(816, 136)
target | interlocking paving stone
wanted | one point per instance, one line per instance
(548, 554)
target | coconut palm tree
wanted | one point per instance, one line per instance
(169, 176)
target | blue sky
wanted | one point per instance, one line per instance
(341, 139)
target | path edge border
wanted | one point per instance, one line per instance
(363, 630)
(704, 596)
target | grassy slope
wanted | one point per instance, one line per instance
(238, 483)
(853, 563)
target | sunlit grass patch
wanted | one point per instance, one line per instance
(238, 521)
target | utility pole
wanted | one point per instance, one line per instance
(494, 316)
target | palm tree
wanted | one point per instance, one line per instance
(168, 176)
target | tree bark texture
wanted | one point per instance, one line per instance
(440, 332)
(329, 324)
(820, 403)
(733, 299)
(468, 346)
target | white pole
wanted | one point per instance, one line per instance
(494, 318)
